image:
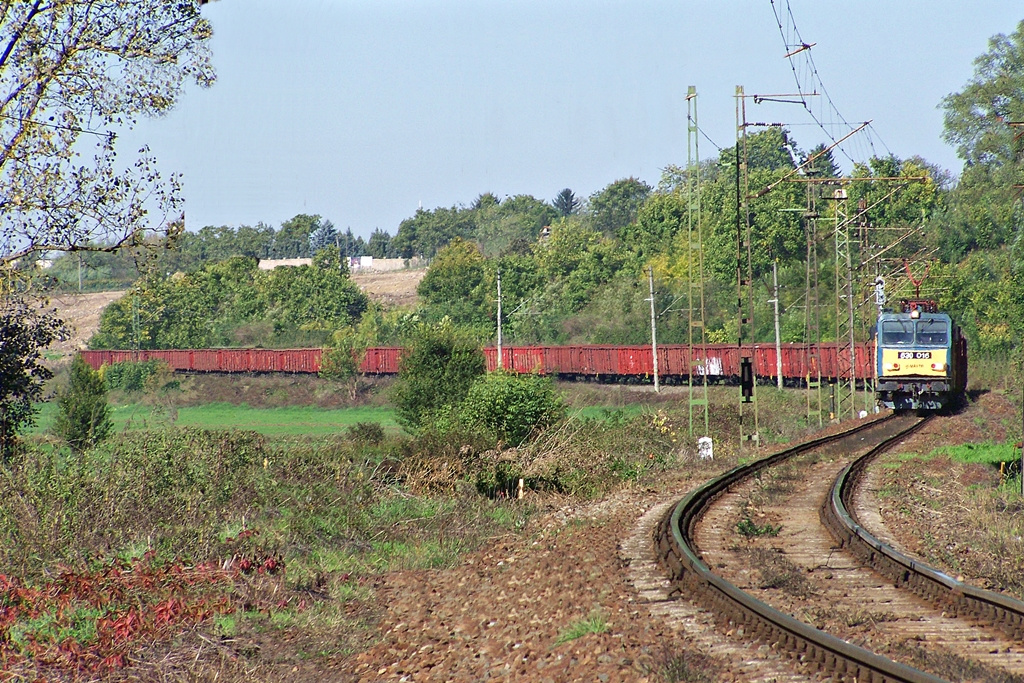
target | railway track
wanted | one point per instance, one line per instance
(952, 626)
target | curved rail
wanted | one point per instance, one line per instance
(945, 592)
(816, 649)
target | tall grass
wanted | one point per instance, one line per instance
(182, 492)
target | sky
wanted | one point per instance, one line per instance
(362, 111)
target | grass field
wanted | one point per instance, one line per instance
(986, 453)
(290, 421)
(286, 421)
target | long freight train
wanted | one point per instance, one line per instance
(719, 362)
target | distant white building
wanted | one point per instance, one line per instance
(356, 264)
(271, 263)
(360, 263)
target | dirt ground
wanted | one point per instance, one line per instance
(82, 311)
(393, 289)
(507, 612)
(502, 613)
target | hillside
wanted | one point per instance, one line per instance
(82, 311)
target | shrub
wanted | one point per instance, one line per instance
(511, 407)
(83, 419)
(435, 374)
(131, 375)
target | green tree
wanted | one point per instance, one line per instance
(71, 73)
(510, 407)
(292, 240)
(428, 231)
(320, 296)
(566, 203)
(985, 211)
(455, 284)
(341, 362)
(976, 118)
(436, 372)
(83, 417)
(658, 221)
(324, 235)
(379, 244)
(25, 330)
(616, 206)
(824, 164)
(517, 219)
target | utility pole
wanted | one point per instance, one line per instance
(778, 334)
(654, 329)
(500, 360)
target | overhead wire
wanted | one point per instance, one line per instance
(805, 72)
(701, 130)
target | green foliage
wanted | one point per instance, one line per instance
(976, 117)
(616, 206)
(595, 623)
(751, 529)
(320, 296)
(659, 220)
(576, 260)
(25, 331)
(131, 375)
(84, 416)
(455, 284)
(72, 72)
(515, 221)
(379, 245)
(210, 307)
(566, 203)
(428, 231)
(511, 406)
(435, 374)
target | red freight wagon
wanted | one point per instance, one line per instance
(176, 359)
(603, 361)
(674, 360)
(381, 361)
(523, 359)
(300, 360)
(240, 360)
(582, 361)
(719, 360)
(206, 360)
(634, 361)
(95, 359)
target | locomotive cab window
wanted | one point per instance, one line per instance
(897, 332)
(933, 333)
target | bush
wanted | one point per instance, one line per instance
(435, 374)
(511, 407)
(131, 375)
(83, 419)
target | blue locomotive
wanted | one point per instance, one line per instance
(921, 358)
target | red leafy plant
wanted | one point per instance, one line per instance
(93, 620)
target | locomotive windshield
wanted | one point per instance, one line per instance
(919, 333)
(897, 332)
(933, 333)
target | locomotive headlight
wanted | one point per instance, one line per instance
(915, 314)
(891, 367)
(939, 367)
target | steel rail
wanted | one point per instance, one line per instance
(948, 594)
(815, 649)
